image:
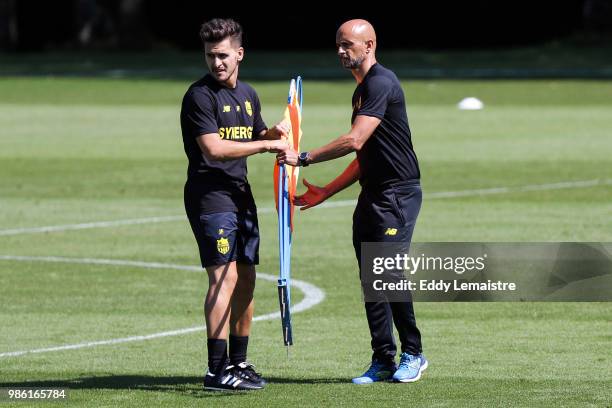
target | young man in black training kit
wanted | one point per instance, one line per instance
(221, 124)
(387, 169)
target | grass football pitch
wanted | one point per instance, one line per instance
(76, 151)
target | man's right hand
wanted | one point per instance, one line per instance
(276, 146)
(313, 196)
(290, 157)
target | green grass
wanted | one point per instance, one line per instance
(76, 150)
(571, 58)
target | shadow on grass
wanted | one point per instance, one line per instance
(188, 385)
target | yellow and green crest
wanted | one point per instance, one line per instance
(223, 245)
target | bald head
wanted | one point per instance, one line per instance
(356, 44)
(359, 29)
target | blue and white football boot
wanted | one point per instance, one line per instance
(410, 368)
(378, 371)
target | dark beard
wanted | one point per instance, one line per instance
(352, 63)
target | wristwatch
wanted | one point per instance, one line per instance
(304, 159)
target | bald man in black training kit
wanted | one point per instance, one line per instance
(390, 199)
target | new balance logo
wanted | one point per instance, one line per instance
(391, 231)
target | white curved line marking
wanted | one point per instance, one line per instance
(329, 204)
(312, 296)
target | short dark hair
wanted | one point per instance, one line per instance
(218, 29)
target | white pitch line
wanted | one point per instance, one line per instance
(521, 189)
(329, 204)
(104, 342)
(87, 225)
(312, 297)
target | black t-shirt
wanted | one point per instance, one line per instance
(388, 156)
(234, 114)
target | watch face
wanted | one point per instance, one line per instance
(303, 157)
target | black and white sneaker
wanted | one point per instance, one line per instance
(227, 380)
(246, 371)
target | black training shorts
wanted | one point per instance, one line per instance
(226, 236)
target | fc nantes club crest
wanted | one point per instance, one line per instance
(249, 109)
(223, 245)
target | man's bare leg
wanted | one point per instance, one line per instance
(222, 281)
(241, 317)
(217, 311)
(242, 302)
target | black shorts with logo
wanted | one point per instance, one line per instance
(224, 236)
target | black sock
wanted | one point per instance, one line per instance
(238, 348)
(217, 355)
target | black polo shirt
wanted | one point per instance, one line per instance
(234, 114)
(388, 156)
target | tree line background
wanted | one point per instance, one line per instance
(30, 25)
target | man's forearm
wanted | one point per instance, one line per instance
(363, 127)
(339, 147)
(224, 150)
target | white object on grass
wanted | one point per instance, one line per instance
(470, 103)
